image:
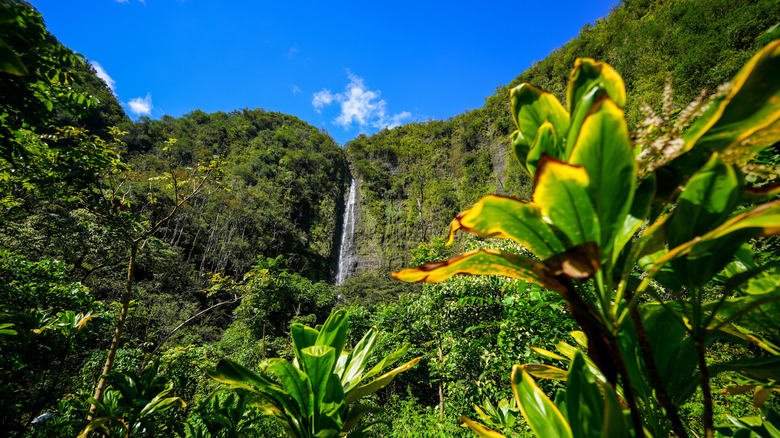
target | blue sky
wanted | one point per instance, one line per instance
(345, 67)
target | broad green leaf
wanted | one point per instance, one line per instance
(541, 414)
(521, 147)
(615, 422)
(562, 196)
(761, 369)
(483, 262)
(509, 218)
(549, 354)
(589, 82)
(334, 332)
(708, 198)
(269, 391)
(386, 361)
(531, 108)
(479, 429)
(588, 73)
(378, 383)
(317, 362)
(603, 148)
(761, 220)
(328, 421)
(357, 359)
(545, 143)
(752, 106)
(672, 348)
(10, 61)
(542, 371)
(296, 384)
(583, 400)
(302, 337)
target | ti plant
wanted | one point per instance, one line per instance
(638, 238)
(315, 395)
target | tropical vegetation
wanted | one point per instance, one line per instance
(174, 276)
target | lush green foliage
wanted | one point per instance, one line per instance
(208, 282)
(316, 394)
(678, 207)
(48, 324)
(417, 176)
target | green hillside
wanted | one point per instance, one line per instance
(174, 277)
(418, 176)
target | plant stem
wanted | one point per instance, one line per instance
(704, 382)
(628, 389)
(655, 376)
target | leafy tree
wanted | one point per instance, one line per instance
(48, 324)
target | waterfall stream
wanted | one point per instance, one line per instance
(347, 249)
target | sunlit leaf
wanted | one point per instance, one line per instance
(479, 429)
(542, 371)
(482, 262)
(378, 383)
(509, 218)
(545, 143)
(752, 105)
(541, 414)
(604, 149)
(562, 196)
(589, 82)
(531, 108)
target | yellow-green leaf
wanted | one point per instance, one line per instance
(561, 194)
(589, 82)
(531, 107)
(541, 414)
(542, 371)
(479, 429)
(509, 218)
(603, 148)
(752, 105)
(546, 142)
(483, 262)
(378, 383)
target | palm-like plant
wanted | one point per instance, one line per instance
(316, 394)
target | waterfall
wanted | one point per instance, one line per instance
(347, 264)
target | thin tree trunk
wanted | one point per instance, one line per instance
(441, 388)
(102, 383)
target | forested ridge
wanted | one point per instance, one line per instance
(420, 175)
(197, 242)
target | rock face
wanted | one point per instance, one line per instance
(348, 257)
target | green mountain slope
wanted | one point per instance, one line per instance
(416, 177)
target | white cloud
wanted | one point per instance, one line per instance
(322, 99)
(398, 119)
(101, 73)
(295, 89)
(141, 105)
(359, 105)
(291, 53)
